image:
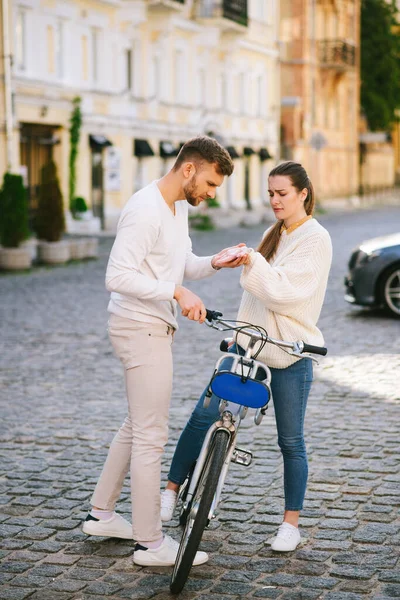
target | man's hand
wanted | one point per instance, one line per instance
(232, 257)
(191, 305)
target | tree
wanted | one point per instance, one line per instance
(14, 227)
(49, 222)
(74, 133)
(380, 63)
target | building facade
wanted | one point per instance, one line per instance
(320, 91)
(150, 75)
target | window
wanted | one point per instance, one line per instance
(128, 69)
(50, 49)
(155, 77)
(94, 53)
(262, 11)
(179, 76)
(224, 91)
(85, 69)
(259, 95)
(201, 93)
(58, 49)
(20, 40)
(242, 93)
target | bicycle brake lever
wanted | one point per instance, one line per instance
(301, 355)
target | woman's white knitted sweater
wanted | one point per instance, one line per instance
(285, 296)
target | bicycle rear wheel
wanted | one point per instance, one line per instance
(197, 519)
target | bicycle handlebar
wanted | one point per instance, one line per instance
(213, 315)
(297, 347)
(314, 349)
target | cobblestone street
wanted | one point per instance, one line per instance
(62, 399)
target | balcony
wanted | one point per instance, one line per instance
(233, 14)
(166, 5)
(336, 54)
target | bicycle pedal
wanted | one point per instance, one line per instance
(242, 457)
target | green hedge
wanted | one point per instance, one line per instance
(14, 227)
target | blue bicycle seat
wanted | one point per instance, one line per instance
(240, 390)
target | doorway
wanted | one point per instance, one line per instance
(36, 150)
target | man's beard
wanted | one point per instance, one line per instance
(190, 190)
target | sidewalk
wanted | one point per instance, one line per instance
(63, 398)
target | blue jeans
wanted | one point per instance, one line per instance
(290, 389)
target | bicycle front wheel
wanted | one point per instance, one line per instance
(197, 519)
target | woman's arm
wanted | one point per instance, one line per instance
(281, 288)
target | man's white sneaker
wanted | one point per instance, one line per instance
(287, 539)
(116, 526)
(169, 499)
(164, 556)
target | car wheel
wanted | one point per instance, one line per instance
(390, 290)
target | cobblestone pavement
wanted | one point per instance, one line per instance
(62, 399)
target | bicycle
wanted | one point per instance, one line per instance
(245, 384)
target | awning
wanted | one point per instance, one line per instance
(99, 141)
(247, 151)
(232, 152)
(264, 154)
(167, 149)
(142, 148)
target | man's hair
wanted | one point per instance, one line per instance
(205, 149)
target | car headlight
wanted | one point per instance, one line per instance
(363, 257)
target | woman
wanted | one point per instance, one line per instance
(285, 282)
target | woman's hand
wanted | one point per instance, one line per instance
(232, 257)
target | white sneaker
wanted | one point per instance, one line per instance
(287, 539)
(116, 526)
(164, 556)
(169, 499)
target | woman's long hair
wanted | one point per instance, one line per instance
(299, 179)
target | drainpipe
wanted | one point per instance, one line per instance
(7, 84)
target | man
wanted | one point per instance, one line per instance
(151, 255)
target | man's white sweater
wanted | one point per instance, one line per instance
(285, 296)
(152, 253)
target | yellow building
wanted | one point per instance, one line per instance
(320, 91)
(150, 75)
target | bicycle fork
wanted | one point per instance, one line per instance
(233, 454)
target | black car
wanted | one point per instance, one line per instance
(374, 274)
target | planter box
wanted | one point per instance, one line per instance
(32, 246)
(15, 259)
(54, 252)
(88, 225)
(92, 247)
(78, 248)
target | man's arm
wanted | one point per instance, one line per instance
(198, 267)
(136, 236)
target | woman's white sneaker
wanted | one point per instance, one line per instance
(163, 556)
(287, 539)
(169, 499)
(116, 526)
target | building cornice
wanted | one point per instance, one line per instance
(186, 25)
(254, 47)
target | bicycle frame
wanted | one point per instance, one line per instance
(229, 421)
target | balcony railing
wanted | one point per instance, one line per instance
(234, 10)
(336, 54)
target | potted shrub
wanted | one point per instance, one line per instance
(79, 208)
(14, 229)
(49, 222)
